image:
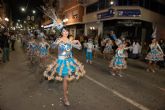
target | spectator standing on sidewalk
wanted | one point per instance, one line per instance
(81, 39)
(13, 39)
(162, 63)
(144, 50)
(0, 47)
(136, 49)
(5, 46)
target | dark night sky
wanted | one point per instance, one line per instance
(15, 6)
(31, 4)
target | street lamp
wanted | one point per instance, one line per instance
(112, 3)
(65, 20)
(33, 11)
(23, 9)
(7, 19)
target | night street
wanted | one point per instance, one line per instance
(82, 55)
(21, 88)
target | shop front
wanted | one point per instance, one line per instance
(130, 29)
(75, 30)
(93, 29)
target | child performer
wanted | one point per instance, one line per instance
(118, 62)
(155, 54)
(32, 49)
(89, 50)
(43, 50)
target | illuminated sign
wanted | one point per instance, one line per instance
(129, 12)
(107, 14)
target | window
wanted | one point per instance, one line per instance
(75, 14)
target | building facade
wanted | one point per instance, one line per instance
(3, 15)
(131, 18)
(73, 12)
(46, 22)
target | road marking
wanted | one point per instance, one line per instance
(134, 103)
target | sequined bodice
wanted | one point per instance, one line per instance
(153, 48)
(32, 45)
(42, 45)
(64, 49)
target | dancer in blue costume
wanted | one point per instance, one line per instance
(89, 51)
(108, 51)
(155, 54)
(118, 62)
(65, 67)
(43, 50)
(32, 49)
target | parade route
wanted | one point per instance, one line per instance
(21, 88)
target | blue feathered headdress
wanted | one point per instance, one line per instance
(51, 13)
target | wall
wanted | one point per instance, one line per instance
(161, 32)
(88, 2)
(70, 4)
(74, 12)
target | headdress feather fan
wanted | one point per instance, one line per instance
(51, 13)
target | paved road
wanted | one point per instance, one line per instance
(21, 88)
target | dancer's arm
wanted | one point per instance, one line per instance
(160, 49)
(55, 44)
(76, 44)
(48, 45)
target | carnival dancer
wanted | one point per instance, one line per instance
(43, 50)
(89, 51)
(66, 67)
(155, 54)
(32, 49)
(108, 51)
(118, 62)
(40, 34)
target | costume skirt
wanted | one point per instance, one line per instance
(118, 63)
(70, 68)
(154, 55)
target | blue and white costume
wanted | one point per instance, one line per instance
(89, 53)
(155, 54)
(118, 61)
(108, 48)
(43, 49)
(66, 65)
(32, 48)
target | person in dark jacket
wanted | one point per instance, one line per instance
(13, 39)
(0, 47)
(5, 46)
(162, 63)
